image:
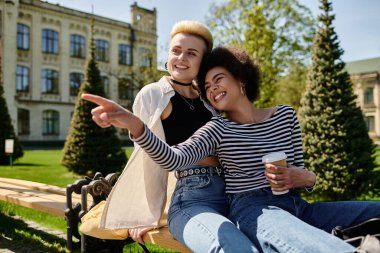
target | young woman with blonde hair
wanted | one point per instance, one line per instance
(173, 110)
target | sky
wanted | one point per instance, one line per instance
(357, 22)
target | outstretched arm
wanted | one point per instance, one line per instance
(202, 144)
(109, 113)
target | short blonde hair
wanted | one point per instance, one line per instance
(194, 28)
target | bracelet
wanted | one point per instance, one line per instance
(310, 189)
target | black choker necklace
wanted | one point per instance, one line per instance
(183, 84)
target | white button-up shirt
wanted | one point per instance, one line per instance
(142, 194)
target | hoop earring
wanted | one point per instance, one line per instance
(242, 90)
(166, 65)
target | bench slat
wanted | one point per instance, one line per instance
(34, 195)
(164, 238)
(52, 199)
(35, 185)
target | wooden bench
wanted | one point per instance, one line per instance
(98, 188)
(72, 203)
(42, 197)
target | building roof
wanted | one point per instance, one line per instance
(363, 66)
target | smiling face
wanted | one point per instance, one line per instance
(185, 56)
(222, 89)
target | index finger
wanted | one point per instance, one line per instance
(95, 99)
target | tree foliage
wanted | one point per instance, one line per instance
(336, 142)
(291, 86)
(7, 130)
(276, 33)
(88, 147)
(130, 82)
(134, 81)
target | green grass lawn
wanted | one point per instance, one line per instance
(44, 166)
(40, 166)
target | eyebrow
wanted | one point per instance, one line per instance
(193, 49)
(214, 77)
(189, 49)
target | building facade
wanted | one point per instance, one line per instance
(44, 49)
(365, 75)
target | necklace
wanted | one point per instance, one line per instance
(183, 84)
(191, 105)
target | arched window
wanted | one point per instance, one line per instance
(23, 36)
(145, 58)
(77, 46)
(22, 78)
(49, 81)
(125, 54)
(50, 122)
(370, 122)
(76, 79)
(101, 50)
(125, 89)
(49, 41)
(23, 121)
(368, 95)
(106, 85)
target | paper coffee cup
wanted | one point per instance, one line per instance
(279, 159)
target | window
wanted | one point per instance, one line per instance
(49, 81)
(368, 95)
(22, 79)
(106, 85)
(76, 79)
(102, 50)
(125, 91)
(49, 41)
(144, 57)
(370, 121)
(77, 46)
(50, 122)
(23, 35)
(125, 57)
(23, 121)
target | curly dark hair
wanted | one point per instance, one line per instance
(236, 61)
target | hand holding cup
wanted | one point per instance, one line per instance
(277, 159)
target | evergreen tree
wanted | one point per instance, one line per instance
(336, 142)
(7, 130)
(90, 148)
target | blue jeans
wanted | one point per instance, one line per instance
(287, 223)
(197, 216)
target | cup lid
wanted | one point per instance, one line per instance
(274, 156)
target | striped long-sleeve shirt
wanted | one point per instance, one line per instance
(239, 147)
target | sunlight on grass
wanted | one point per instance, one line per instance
(45, 219)
(43, 166)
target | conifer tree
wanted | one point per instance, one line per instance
(335, 138)
(90, 148)
(7, 130)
